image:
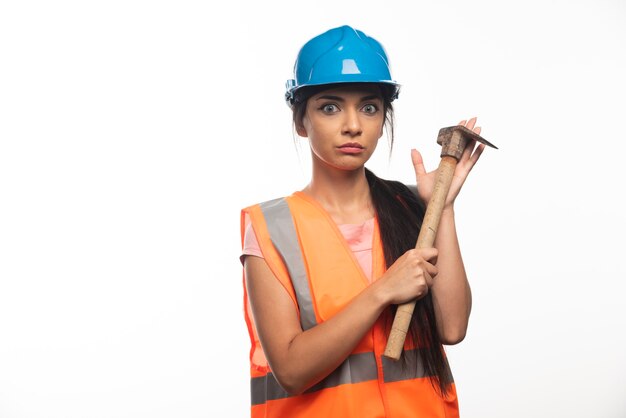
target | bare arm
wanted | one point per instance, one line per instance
(451, 293)
(299, 358)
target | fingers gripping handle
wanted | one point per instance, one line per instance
(426, 239)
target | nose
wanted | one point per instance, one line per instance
(352, 123)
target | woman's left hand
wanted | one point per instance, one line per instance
(425, 181)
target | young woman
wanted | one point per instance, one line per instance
(325, 267)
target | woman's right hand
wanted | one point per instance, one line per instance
(410, 277)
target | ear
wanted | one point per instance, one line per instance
(301, 130)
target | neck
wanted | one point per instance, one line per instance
(345, 195)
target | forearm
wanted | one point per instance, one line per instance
(315, 353)
(451, 292)
(299, 358)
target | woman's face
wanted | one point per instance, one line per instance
(343, 126)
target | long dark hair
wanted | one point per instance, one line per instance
(400, 213)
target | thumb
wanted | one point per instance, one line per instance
(418, 162)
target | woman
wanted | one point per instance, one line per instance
(325, 267)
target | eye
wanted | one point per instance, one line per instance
(329, 108)
(370, 108)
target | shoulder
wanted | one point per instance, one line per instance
(273, 212)
(268, 207)
(259, 206)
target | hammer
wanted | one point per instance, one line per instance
(453, 140)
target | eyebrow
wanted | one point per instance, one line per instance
(340, 99)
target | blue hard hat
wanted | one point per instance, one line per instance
(340, 55)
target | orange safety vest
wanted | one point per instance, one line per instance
(307, 253)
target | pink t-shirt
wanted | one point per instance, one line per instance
(358, 236)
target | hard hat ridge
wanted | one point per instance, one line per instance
(340, 55)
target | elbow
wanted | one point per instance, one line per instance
(292, 389)
(452, 332)
(453, 336)
(290, 383)
(453, 339)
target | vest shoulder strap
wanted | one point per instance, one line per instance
(284, 237)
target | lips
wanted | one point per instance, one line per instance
(351, 148)
(351, 145)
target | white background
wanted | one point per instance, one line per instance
(133, 132)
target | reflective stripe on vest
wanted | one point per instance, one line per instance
(283, 235)
(356, 368)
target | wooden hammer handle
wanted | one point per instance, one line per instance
(426, 239)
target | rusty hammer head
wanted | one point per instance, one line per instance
(453, 140)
